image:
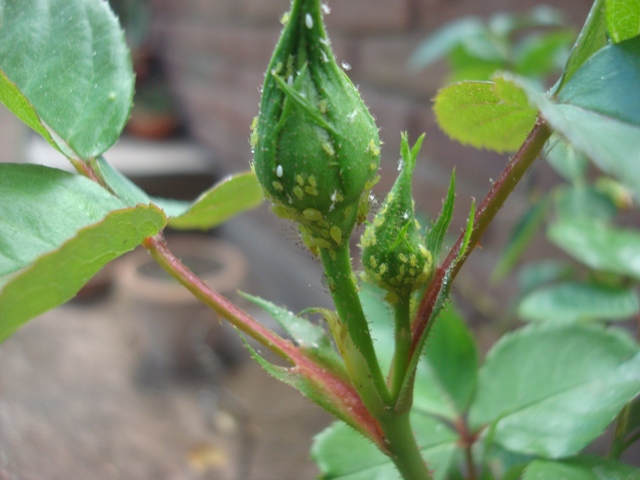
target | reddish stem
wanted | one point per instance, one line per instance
(488, 209)
(339, 394)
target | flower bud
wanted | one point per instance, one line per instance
(316, 147)
(394, 254)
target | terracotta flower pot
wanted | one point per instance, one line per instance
(179, 334)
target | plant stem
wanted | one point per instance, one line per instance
(404, 451)
(466, 442)
(223, 307)
(362, 364)
(492, 203)
(402, 322)
(340, 397)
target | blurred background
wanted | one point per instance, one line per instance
(108, 386)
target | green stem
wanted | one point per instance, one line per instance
(404, 450)
(361, 362)
(401, 356)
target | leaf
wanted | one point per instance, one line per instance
(583, 467)
(496, 116)
(443, 40)
(438, 230)
(592, 38)
(596, 116)
(447, 374)
(120, 185)
(310, 337)
(378, 312)
(231, 196)
(551, 390)
(171, 207)
(520, 238)
(71, 72)
(605, 81)
(41, 208)
(623, 19)
(599, 247)
(541, 470)
(56, 231)
(542, 54)
(464, 246)
(581, 200)
(343, 454)
(571, 302)
(568, 162)
(537, 273)
(613, 145)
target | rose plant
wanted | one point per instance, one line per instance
(416, 402)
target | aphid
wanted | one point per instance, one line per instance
(336, 234)
(308, 20)
(279, 171)
(312, 214)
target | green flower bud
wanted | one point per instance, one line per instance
(316, 147)
(394, 254)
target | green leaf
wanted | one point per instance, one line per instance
(596, 116)
(571, 302)
(592, 38)
(343, 454)
(378, 312)
(542, 54)
(65, 71)
(551, 390)
(56, 231)
(623, 19)
(613, 145)
(41, 208)
(443, 40)
(578, 201)
(520, 238)
(581, 468)
(466, 65)
(120, 185)
(438, 231)
(567, 161)
(605, 82)
(231, 196)
(598, 246)
(493, 115)
(537, 273)
(464, 246)
(171, 207)
(541, 470)
(605, 468)
(447, 374)
(310, 337)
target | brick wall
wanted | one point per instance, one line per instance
(217, 51)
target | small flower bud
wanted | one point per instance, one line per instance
(393, 250)
(316, 147)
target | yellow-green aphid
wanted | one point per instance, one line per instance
(393, 249)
